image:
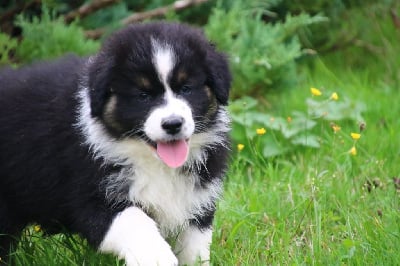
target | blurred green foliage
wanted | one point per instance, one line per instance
(7, 46)
(301, 128)
(262, 54)
(48, 37)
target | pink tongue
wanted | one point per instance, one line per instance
(174, 153)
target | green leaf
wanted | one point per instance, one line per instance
(299, 123)
(307, 140)
(272, 148)
(243, 104)
(336, 110)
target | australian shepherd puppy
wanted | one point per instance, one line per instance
(127, 148)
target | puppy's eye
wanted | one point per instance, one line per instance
(186, 90)
(144, 97)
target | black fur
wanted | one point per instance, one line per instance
(48, 175)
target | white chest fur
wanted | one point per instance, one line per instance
(167, 195)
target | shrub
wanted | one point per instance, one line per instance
(49, 37)
(7, 47)
(262, 54)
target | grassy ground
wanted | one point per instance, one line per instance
(312, 206)
(324, 206)
(320, 206)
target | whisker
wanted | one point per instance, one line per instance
(131, 132)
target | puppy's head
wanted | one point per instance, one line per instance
(160, 83)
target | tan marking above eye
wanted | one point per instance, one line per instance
(182, 76)
(143, 82)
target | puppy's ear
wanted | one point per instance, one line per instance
(219, 76)
(100, 75)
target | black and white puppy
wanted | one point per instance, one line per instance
(126, 148)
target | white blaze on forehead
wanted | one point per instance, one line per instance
(163, 60)
(173, 154)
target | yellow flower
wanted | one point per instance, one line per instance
(334, 96)
(37, 228)
(289, 119)
(335, 128)
(353, 151)
(355, 136)
(316, 92)
(260, 131)
(240, 147)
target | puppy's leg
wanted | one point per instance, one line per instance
(134, 236)
(193, 246)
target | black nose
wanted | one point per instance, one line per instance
(172, 125)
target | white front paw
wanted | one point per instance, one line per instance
(193, 246)
(134, 237)
(153, 253)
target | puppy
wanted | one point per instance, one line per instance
(127, 148)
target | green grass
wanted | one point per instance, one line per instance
(321, 206)
(310, 206)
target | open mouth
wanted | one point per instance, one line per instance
(173, 153)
